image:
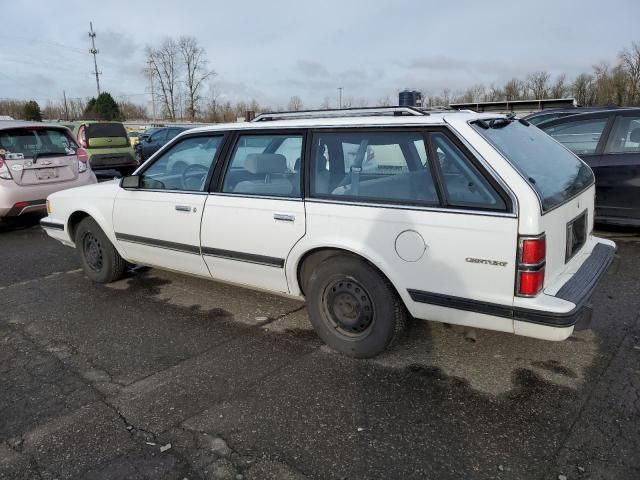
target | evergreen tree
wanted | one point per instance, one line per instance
(103, 108)
(32, 111)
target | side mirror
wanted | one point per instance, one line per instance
(148, 139)
(132, 181)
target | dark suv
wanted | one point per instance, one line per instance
(147, 145)
(608, 140)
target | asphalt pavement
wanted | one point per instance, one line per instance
(162, 375)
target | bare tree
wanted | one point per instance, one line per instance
(295, 104)
(164, 63)
(559, 87)
(538, 84)
(583, 89)
(197, 72)
(513, 90)
(326, 103)
(384, 101)
(630, 62)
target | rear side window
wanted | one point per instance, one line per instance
(26, 142)
(625, 135)
(104, 130)
(464, 185)
(267, 165)
(581, 137)
(551, 170)
(372, 166)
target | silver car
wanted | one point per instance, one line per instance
(36, 160)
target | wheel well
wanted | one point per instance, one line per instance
(74, 220)
(313, 258)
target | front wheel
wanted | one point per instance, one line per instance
(353, 307)
(100, 260)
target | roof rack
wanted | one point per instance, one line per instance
(343, 112)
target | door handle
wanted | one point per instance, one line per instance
(285, 217)
(183, 208)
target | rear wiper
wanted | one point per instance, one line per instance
(493, 123)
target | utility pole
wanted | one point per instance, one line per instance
(94, 51)
(340, 97)
(66, 108)
(153, 97)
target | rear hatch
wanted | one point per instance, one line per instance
(39, 155)
(568, 230)
(104, 135)
(563, 183)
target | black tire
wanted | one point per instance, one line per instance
(353, 307)
(100, 260)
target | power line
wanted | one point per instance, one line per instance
(94, 51)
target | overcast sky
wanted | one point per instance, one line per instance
(270, 50)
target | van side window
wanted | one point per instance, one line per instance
(266, 165)
(372, 166)
(464, 185)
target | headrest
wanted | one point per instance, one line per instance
(635, 135)
(263, 163)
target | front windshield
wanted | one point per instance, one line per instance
(553, 171)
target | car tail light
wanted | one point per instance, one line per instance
(83, 159)
(4, 169)
(82, 137)
(532, 252)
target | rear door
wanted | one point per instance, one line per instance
(158, 223)
(39, 155)
(256, 214)
(421, 210)
(618, 171)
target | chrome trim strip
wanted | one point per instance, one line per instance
(265, 197)
(482, 213)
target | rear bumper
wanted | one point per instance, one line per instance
(34, 196)
(106, 161)
(574, 295)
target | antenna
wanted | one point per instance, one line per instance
(94, 51)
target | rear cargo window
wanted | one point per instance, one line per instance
(104, 130)
(552, 171)
(26, 142)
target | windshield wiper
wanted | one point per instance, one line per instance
(37, 155)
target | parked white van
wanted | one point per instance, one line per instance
(370, 215)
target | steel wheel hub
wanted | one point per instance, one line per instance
(92, 251)
(348, 307)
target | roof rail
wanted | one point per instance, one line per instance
(336, 113)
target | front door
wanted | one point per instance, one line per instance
(256, 216)
(158, 224)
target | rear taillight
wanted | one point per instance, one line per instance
(83, 159)
(4, 169)
(532, 252)
(82, 138)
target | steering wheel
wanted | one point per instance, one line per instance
(189, 171)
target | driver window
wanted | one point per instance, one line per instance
(183, 167)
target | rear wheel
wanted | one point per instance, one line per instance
(353, 307)
(100, 260)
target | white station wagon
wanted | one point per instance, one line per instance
(370, 215)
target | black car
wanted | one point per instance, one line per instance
(150, 141)
(553, 113)
(608, 140)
